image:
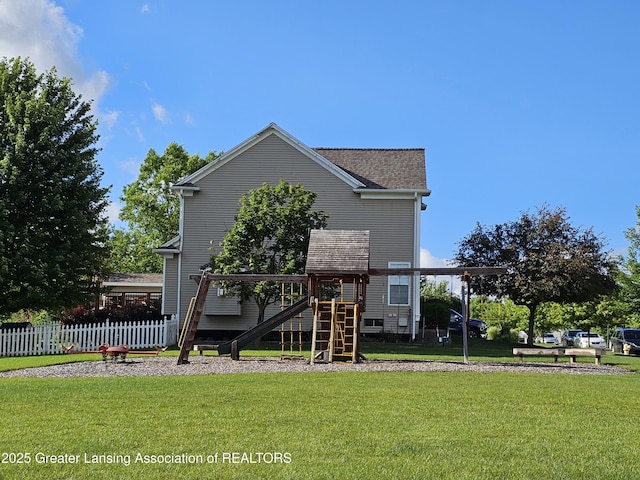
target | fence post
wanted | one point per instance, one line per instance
(165, 331)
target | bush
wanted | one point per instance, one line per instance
(514, 335)
(435, 312)
(493, 333)
(502, 333)
(30, 316)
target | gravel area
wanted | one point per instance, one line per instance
(212, 365)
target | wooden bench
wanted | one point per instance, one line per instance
(592, 352)
(202, 347)
(521, 352)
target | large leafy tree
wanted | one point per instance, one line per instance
(53, 225)
(270, 235)
(151, 209)
(548, 260)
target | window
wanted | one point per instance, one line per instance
(373, 322)
(399, 285)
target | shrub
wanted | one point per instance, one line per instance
(493, 333)
(502, 333)
(435, 312)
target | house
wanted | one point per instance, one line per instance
(377, 190)
(129, 289)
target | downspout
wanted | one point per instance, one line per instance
(416, 264)
(181, 234)
(164, 284)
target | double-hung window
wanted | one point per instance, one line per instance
(399, 285)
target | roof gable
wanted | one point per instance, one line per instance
(271, 129)
(174, 243)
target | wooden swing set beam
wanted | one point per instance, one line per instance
(472, 271)
(302, 278)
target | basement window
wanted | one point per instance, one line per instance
(373, 322)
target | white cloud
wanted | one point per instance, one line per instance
(139, 134)
(113, 212)
(188, 119)
(429, 261)
(160, 113)
(39, 30)
(110, 118)
(131, 166)
(95, 86)
(145, 8)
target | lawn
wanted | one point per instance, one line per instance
(322, 426)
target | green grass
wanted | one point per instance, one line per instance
(331, 425)
(348, 425)
(13, 363)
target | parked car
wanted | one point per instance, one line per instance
(567, 337)
(477, 328)
(625, 336)
(549, 338)
(589, 340)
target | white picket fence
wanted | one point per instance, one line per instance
(47, 339)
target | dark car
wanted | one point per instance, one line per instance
(625, 336)
(477, 328)
(568, 337)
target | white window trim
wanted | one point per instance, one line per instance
(399, 280)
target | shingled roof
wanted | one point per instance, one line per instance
(375, 168)
(131, 278)
(338, 252)
(401, 168)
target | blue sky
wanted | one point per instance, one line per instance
(517, 103)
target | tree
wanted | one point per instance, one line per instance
(630, 273)
(501, 313)
(270, 235)
(548, 260)
(552, 316)
(432, 289)
(151, 209)
(53, 225)
(435, 301)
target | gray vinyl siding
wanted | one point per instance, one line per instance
(170, 286)
(391, 225)
(210, 212)
(220, 305)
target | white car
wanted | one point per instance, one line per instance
(550, 338)
(589, 340)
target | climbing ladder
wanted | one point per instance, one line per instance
(345, 330)
(291, 331)
(335, 331)
(190, 326)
